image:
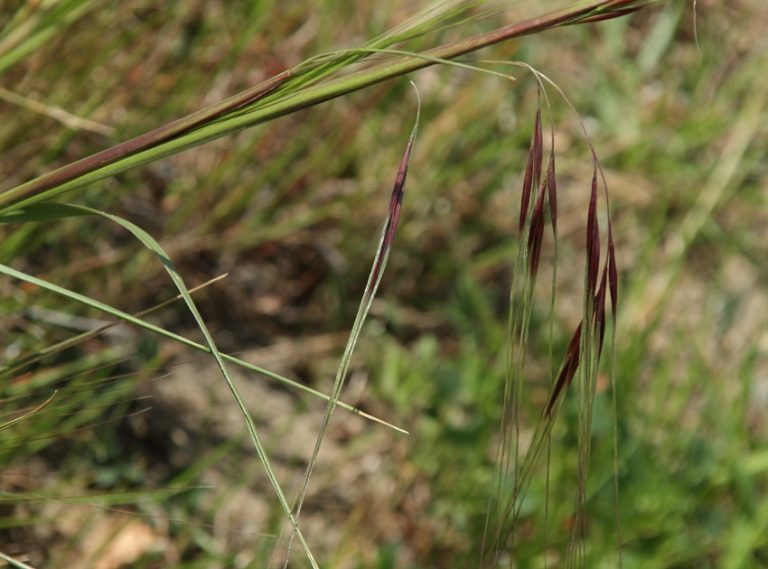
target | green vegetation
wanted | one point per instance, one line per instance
(126, 448)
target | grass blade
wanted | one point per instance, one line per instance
(14, 562)
(19, 364)
(278, 97)
(131, 319)
(148, 241)
(29, 413)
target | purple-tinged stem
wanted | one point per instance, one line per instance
(602, 9)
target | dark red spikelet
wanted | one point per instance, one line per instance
(552, 189)
(536, 232)
(568, 370)
(396, 201)
(593, 240)
(532, 169)
(395, 205)
(538, 147)
(525, 198)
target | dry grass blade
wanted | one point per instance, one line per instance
(56, 113)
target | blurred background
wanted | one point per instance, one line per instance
(142, 461)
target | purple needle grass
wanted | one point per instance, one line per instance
(582, 354)
(324, 78)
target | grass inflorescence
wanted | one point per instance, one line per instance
(606, 445)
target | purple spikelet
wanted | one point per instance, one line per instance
(532, 169)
